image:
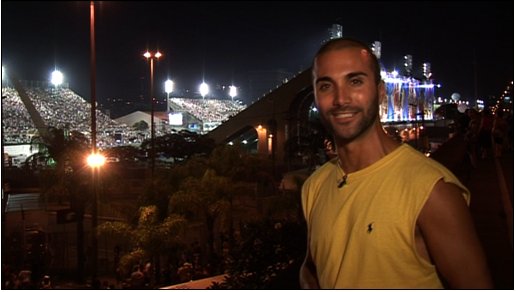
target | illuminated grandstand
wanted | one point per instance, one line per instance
(62, 108)
(58, 107)
(201, 115)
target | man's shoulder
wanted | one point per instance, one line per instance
(325, 168)
(321, 172)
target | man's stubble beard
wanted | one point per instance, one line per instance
(371, 114)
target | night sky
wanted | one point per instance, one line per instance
(223, 42)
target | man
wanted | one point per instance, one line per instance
(380, 214)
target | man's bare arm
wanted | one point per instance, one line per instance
(308, 274)
(449, 233)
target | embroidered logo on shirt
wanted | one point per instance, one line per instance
(370, 227)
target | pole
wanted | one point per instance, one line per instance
(153, 154)
(94, 222)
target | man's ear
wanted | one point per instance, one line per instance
(382, 92)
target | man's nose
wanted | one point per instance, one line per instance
(342, 96)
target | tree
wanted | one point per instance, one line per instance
(268, 257)
(124, 154)
(69, 152)
(207, 201)
(181, 145)
(148, 239)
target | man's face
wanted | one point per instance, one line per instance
(346, 94)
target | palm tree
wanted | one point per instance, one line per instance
(69, 153)
(148, 239)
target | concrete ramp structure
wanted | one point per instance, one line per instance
(271, 120)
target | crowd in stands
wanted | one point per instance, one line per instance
(17, 126)
(63, 109)
(58, 107)
(209, 110)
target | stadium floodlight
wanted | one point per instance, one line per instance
(204, 89)
(169, 86)
(232, 91)
(56, 78)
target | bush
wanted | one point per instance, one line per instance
(268, 257)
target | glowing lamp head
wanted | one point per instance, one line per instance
(95, 160)
(56, 78)
(169, 86)
(232, 91)
(204, 89)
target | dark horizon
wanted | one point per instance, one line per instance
(467, 43)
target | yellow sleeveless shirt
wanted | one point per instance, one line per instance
(362, 234)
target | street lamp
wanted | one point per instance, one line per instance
(151, 56)
(95, 162)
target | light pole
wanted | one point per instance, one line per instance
(151, 56)
(169, 87)
(95, 161)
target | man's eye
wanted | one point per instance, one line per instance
(356, 81)
(324, 86)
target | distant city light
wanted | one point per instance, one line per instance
(56, 78)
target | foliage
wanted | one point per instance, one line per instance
(68, 150)
(286, 206)
(129, 260)
(123, 153)
(120, 230)
(180, 146)
(233, 162)
(268, 257)
(151, 237)
(206, 199)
